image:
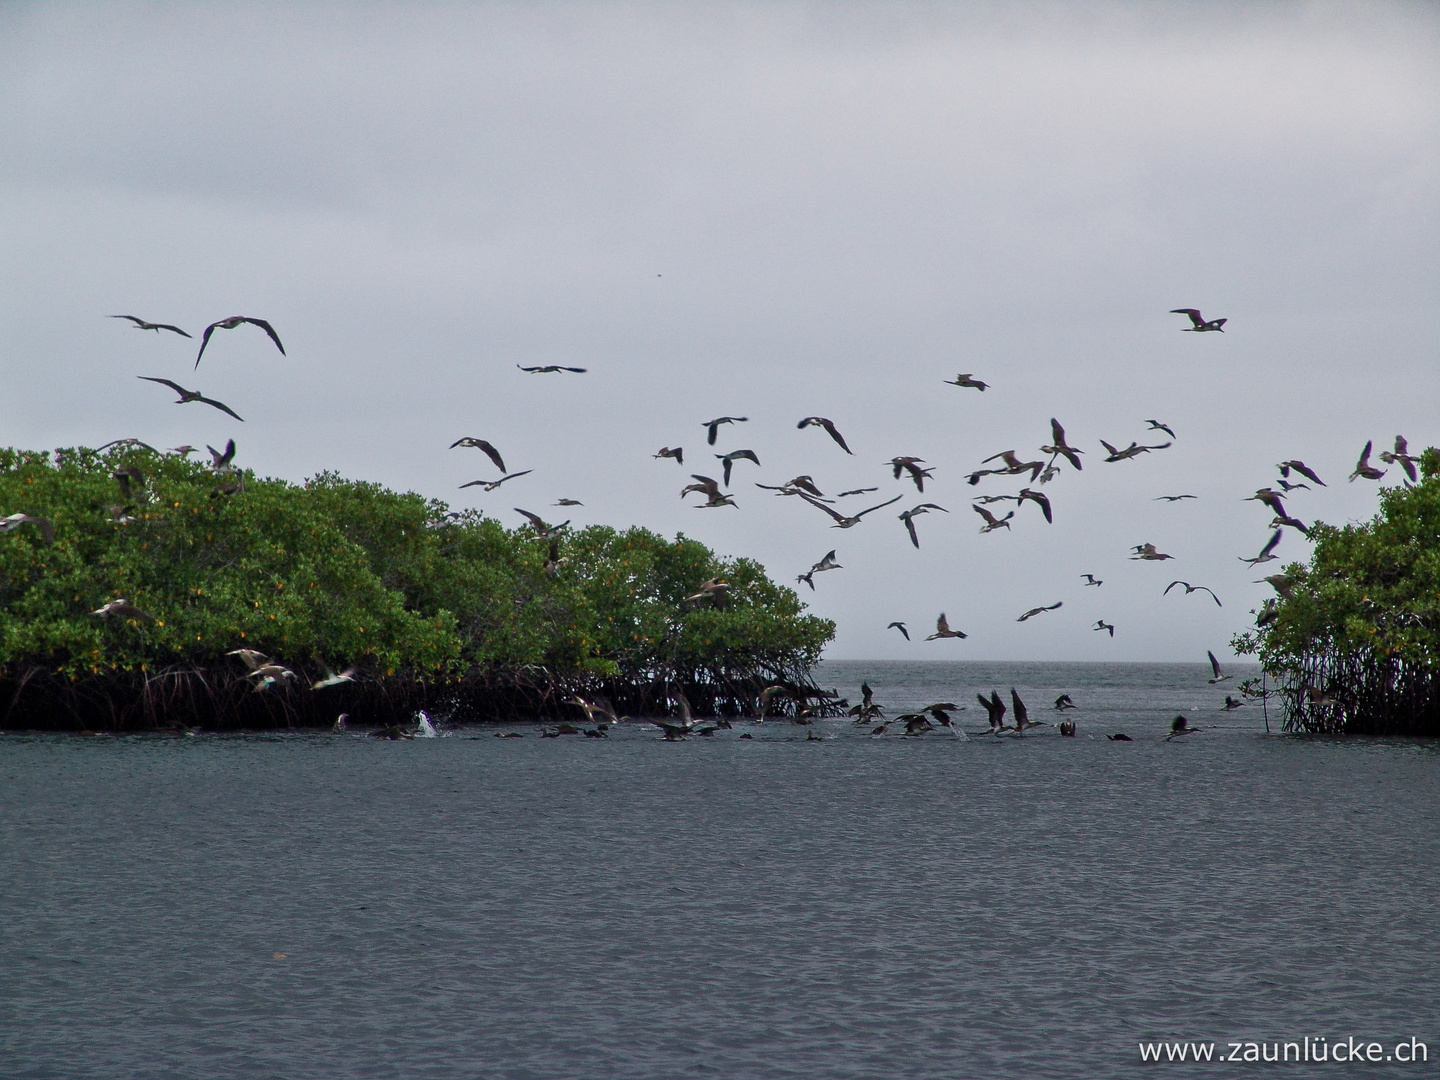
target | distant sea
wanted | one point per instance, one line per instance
(323, 905)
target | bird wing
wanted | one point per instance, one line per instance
(205, 340)
(1271, 544)
(577, 370)
(910, 527)
(173, 385)
(822, 506)
(534, 519)
(1195, 317)
(1212, 594)
(1173, 584)
(491, 453)
(222, 407)
(167, 326)
(880, 506)
(269, 330)
(1214, 664)
(989, 517)
(828, 426)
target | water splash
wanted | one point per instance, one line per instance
(424, 729)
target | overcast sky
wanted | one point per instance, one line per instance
(761, 210)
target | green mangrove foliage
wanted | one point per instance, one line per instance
(337, 573)
(1353, 640)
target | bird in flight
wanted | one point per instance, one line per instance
(1037, 610)
(843, 521)
(1266, 553)
(1400, 454)
(550, 369)
(1091, 579)
(1148, 553)
(857, 491)
(545, 530)
(715, 589)
(677, 452)
(230, 324)
(1180, 726)
(1156, 425)
(795, 485)
(901, 627)
(122, 608)
(1064, 702)
(1022, 716)
(220, 462)
(1193, 588)
(1303, 469)
(1133, 450)
(1364, 468)
(187, 396)
(1058, 447)
(1269, 613)
(1231, 703)
(991, 521)
(45, 525)
(827, 563)
(1270, 497)
(711, 489)
(141, 324)
(966, 380)
(730, 459)
(1172, 498)
(481, 444)
(908, 517)
(1199, 325)
(995, 709)
(1101, 624)
(911, 465)
(1038, 498)
(491, 485)
(1215, 667)
(713, 426)
(942, 630)
(568, 502)
(1014, 466)
(820, 421)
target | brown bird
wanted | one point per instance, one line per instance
(909, 515)
(1022, 716)
(45, 525)
(1172, 498)
(1037, 610)
(187, 396)
(841, 520)
(966, 381)
(230, 324)
(1265, 552)
(1303, 469)
(703, 484)
(141, 324)
(1180, 726)
(857, 491)
(1401, 454)
(1293, 522)
(1269, 613)
(1284, 584)
(677, 452)
(1148, 553)
(567, 502)
(491, 485)
(901, 627)
(795, 486)
(820, 421)
(713, 426)
(991, 521)
(1038, 498)
(1215, 667)
(221, 461)
(995, 708)
(542, 528)
(1193, 588)
(1364, 468)
(1156, 425)
(481, 444)
(124, 476)
(1101, 624)
(551, 369)
(715, 589)
(911, 465)
(1014, 466)
(1131, 451)
(1091, 579)
(730, 459)
(1058, 446)
(122, 608)
(942, 630)
(1270, 498)
(1199, 324)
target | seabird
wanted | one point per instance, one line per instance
(45, 525)
(542, 528)
(1215, 667)
(966, 380)
(550, 369)
(991, 521)
(1199, 325)
(1064, 702)
(1156, 425)
(912, 466)
(1148, 553)
(1265, 552)
(841, 520)
(1401, 455)
(230, 324)
(713, 426)
(1364, 468)
(820, 421)
(481, 444)
(1193, 588)
(187, 396)
(730, 458)
(908, 517)
(123, 609)
(901, 627)
(1037, 610)
(1058, 447)
(141, 324)
(491, 485)
(1091, 579)
(1172, 498)
(1180, 726)
(1303, 469)
(942, 630)
(677, 452)
(1101, 624)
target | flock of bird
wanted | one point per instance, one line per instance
(1006, 463)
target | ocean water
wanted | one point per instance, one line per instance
(321, 905)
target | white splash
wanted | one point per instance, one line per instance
(424, 729)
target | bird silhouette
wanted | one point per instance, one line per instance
(187, 396)
(908, 517)
(901, 627)
(491, 485)
(1265, 552)
(1199, 324)
(1364, 468)
(481, 444)
(551, 369)
(729, 459)
(713, 426)
(942, 630)
(1215, 667)
(843, 521)
(1037, 610)
(141, 324)
(820, 421)
(1101, 624)
(230, 324)
(991, 521)
(678, 453)
(966, 381)
(1091, 579)
(1192, 588)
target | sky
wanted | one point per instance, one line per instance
(761, 210)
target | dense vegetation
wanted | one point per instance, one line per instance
(1354, 642)
(451, 610)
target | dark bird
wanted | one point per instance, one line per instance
(966, 381)
(1293, 522)
(1400, 455)
(841, 520)
(1058, 446)
(131, 443)
(221, 461)
(233, 487)
(1119, 736)
(1156, 425)
(1148, 553)
(908, 517)
(820, 421)
(1101, 624)
(942, 630)
(1364, 468)
(542, 528)
(827, 563)
(995, 710)
(1270, 497)
(857, 491)
(1215, 667)
(678, 453)
(911, 465)
(1131, 451)
(804, 482)
(808, 578)
(230, 324)
(1091, 579)
(1266, 552)
(730, 459)
(141, 324)
(1269, 613)
(567, 502)
(123, 609)
(1180, 726)
(1192, 588)
(1038, 498)
(1022, 717)
(1284, 584)
(713, 426)
(1014, 466)
(553, 561)
(1286, 485)
(703, 484)
(1037, 610)
(1067, 728)
(1303, 469)
(491, 485)
(1231, 703)
(991, 521)
(187, 396)
(1198, 323)
(551, 369)
(481, 444)
(45, 525)
(901, 627)
(1172, 498)
(1063, 702)
(125, 477)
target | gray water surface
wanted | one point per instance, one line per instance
(469, 906)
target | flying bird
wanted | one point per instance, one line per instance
(841, 520)
(1091, 579)
(1037, 610)
(942, 630)
(1022, 716)
(1014, 466)
(1266, 552)
(1101, 624)
(820, 421)
(1215, 667)
(1064, 702)
(123, 609)
(45, 525)
(551, 369)
(911, 465)
(124, 476)
(491, 485)
(1198, 323)
(730, 459)
(1156, 425)
(332, 679)
(908, 517)
(221, 461)
(567, 502)
(1038, 498)
(678, 453)
(1269, 613)
(1131, 451)
(230, 324)
(542, 528)
(991, 521)
(1149, 554)
(481, 444)
(1303, 469)
(995, 710)
(187, 396)
(1172, 498)
(713, 426)
(1231, 703)
(141, 324)
(1193, 588)
(901, 627)
(966, 381)
(132, 443)
(827, 563)
(1058, 446)
(715, 589)
(1270, 497)
(857, 491)
(1401, 454)
(1180, 726)
(1364, 468)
